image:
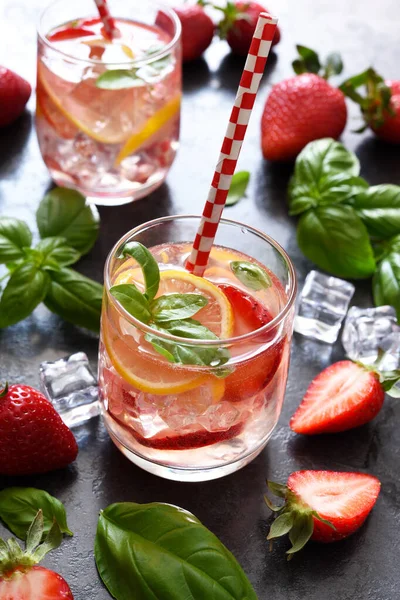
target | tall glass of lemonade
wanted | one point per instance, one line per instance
(192, 386)
(108, 110)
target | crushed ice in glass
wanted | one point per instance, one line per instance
(71, 387)
(322, 307)
(366, 330)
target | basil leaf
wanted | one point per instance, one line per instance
(379, 209)
(118, 79)
(386, 282)
(176, 306)
(65, 213)
(14, 236)
(25, 289)
(185, 354)
(19, 506)
(332, 188)
(251, 275)
(148, 264)
(335, 239)
(56, 253)
(132, 300)
(75, 298)
(162, 551)
(238, 187)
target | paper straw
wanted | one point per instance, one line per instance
(108, 22)
(232, 144)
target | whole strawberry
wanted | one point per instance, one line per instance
(239, 23)
(33, 437)
(345, 395)
(325, 506)
(380, 106)
(14, 94)
(303, 108)
(197, 31)
(20, 578)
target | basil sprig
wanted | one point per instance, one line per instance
(68, 227)
(251, 275)
(170, 313)
(162, 551)
(19, 506)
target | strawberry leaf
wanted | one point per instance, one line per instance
(278, 489)
(271, 506)
(301, 532)
(282, 525)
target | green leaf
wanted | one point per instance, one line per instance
(271, 505)
(308, 59)
(65, 213)
(335, 239)
(118, 79)
(386, 282)
(278, 489)
(237, 190)
(75, 298)
(301, 532)
(133, 301)
(14, 236)
(56, 253)
(25, 289)
(251, 275)
(148, 264)
(19, 506)
(281, 526)
(185, 354)
(379, 209)
(325, 172)
(333, 65)
(162, 551)
(176, 306)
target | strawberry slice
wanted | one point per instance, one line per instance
(343, 396)
(324, 506)
(20, 579)
(254, 374)
(68, 33)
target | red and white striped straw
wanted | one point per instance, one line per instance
(232, 144)
(108, 22)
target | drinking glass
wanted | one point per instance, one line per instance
(184, 421)
(112, 145)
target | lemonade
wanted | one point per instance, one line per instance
(108, 111)
(195, 417)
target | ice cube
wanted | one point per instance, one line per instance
(220, 417)
(366, 330)
(71, 387)
(322, 306)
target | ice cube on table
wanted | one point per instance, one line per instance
(322, 306)
(71, 387)
(366, 330)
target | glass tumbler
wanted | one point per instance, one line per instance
(192, 422)
(108, 112)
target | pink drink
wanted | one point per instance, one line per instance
(184, 417)
(113, 145)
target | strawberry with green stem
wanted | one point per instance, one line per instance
(343, 396)
(303, 108)
(20, 577)
(324, 506)
(380, 105)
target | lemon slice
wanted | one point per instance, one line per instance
(217, 315)
(148, 374)
(158, 120)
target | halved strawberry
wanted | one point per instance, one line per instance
(20, 579)
(254, 374)
(325, 506)
(343, 396)
(68, 33)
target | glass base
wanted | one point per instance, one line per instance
(108, 199)
(188, 474)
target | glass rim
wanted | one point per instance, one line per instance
(191, 341)
(129, 62)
